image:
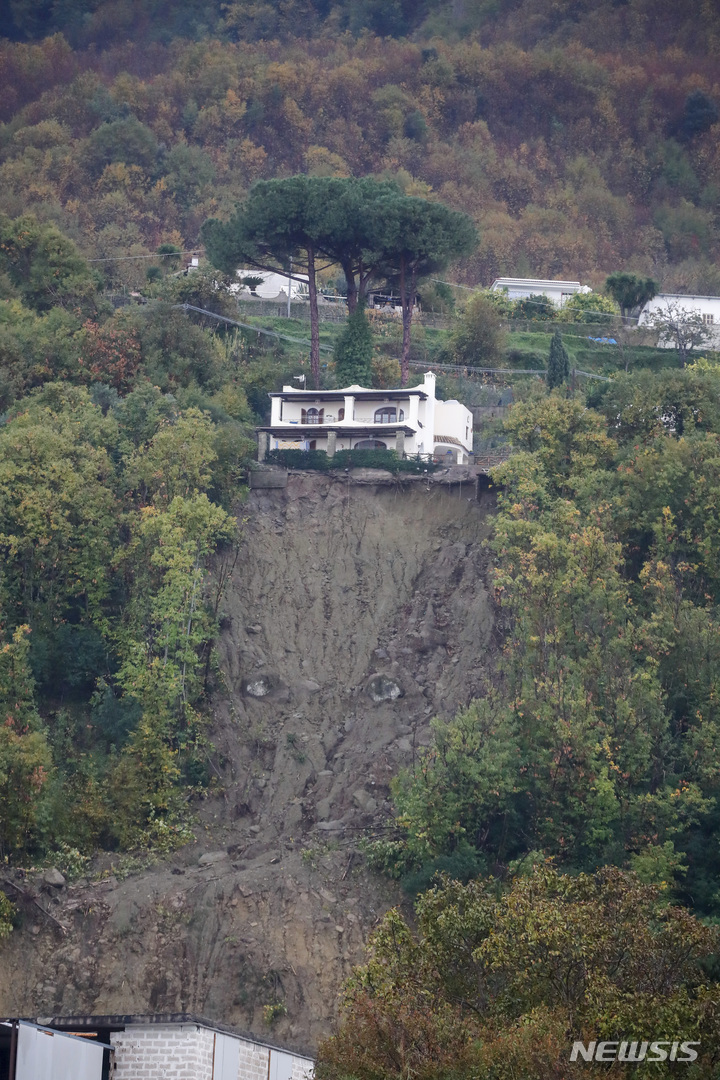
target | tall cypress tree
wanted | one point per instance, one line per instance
(558, 368)
(353, 350)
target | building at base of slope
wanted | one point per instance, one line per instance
(154, 1047)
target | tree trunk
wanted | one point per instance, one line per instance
(406, 303)
(314, 320)
(352, 293)
(365, 277)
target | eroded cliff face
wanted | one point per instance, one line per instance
(358, 609)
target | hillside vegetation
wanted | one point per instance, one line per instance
(565, 630)
(580, 137)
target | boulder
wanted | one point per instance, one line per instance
(381, 688)
(211, 857)
(259, 687)
(54, 877)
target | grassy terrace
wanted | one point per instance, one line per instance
(524, 348)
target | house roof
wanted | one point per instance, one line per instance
(349, 391)
(120, 1021)
(448, 439)
(535, 281)
(680, 296)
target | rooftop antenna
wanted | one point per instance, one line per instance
(301, 379)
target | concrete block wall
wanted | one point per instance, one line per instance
(253, 1061)
(302, 1069)
(157, 1052)
(185, 1052)
(205, 1041)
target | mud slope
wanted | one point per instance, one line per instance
(358, 609)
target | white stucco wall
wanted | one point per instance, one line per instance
(274, 284)
(454, 419)
(416, 409)
(707, 306)
(557, 291)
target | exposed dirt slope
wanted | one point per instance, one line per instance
(358, 609)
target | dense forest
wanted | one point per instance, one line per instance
(580, 137)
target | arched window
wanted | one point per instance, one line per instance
(386, 415)
(341, 414)
(370, 444)
(312, 416)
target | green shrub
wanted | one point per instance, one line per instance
(460, 865)
(349, 459)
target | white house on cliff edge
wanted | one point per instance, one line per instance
(410, 421)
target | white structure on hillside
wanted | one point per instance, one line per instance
(274, 286)
(170, 1047)
(410, 421)
(708, 307)
(557, 291)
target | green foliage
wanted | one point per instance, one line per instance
(461, 866)
(699, 115)
(274, 1011)
(415, 238)
(630, 292)
(349, 459)
(558, 365)
(188, 170)
(478, 339)
(44, 266)
(127, 140)
(177, 460)
(369, 227)
(596, 745)
(591, 308)
(7, 913)
(537, 308)
(252, 281)
(57, 508)
(109, 419)
(354, 350)
(498, 982)
(106, 529)
(436, 296)
(25, 759)
(643, 407)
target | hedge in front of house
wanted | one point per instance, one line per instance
(349, 459)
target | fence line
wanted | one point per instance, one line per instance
(247, 326)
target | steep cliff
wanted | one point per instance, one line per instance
(358, 609)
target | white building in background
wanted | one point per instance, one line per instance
(274, 286)
(557, 291)
(410, 421)
(707, 306)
